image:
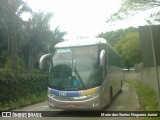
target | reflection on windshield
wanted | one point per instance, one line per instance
(86, 60)
(74, 68)
(61, 71)
(62, 54)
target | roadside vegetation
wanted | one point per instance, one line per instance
(22, 43)
(24, 101)
(147, 98)
(19, 90)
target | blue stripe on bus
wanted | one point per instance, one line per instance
(74, 93)
(54, 92)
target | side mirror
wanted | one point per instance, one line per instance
(102, 58)
(42, 60)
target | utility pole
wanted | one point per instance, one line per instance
(155, 64)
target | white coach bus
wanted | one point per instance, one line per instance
(83, 74)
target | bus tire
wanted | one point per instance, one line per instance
(120, 88)
(111, 95)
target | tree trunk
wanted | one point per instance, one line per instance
(31, 61)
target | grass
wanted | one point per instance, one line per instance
(22, 102)
(147, 98)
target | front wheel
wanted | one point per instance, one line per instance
(121, 88)
(111, 95)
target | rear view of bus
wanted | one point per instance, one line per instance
(76, 75)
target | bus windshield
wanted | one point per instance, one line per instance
(74, 68)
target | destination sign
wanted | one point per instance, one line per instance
(86, 51)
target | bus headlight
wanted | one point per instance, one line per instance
(94, 95)
(49, 93)
(49, 90)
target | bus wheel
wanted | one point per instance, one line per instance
(120, 88)
(111, 95)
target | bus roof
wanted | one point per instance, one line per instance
(80, 42)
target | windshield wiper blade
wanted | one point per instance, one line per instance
(76, 72)
(79, 77)
(65, 75)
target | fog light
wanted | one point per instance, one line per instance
(95, 103)
(51, 104)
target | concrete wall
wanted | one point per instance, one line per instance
(146, 76)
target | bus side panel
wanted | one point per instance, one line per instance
(106, 91)
(115, 70)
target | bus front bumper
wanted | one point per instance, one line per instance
(90, 103)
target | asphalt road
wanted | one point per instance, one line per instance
(125, 101)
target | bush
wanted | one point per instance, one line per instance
(15, 87)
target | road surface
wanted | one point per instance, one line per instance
(125, 101)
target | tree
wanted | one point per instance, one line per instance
(39, 34)
(22, 42)
(10, 27)
(131, 7)
(114, 36)
(129, 49)
(41, 38)
(57, 37)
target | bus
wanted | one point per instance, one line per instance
(83, 74)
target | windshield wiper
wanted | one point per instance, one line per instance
(66, 74)
(79, 77)
(71, 76)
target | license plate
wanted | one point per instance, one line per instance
(71, 105)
